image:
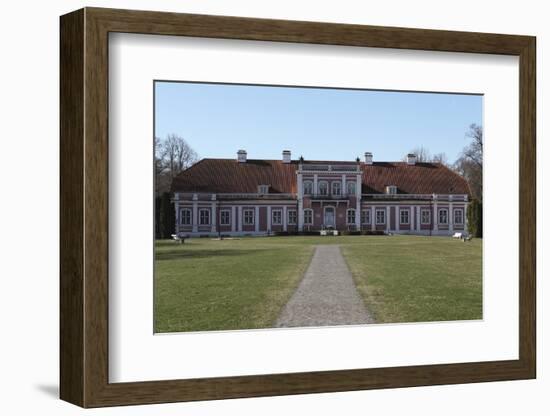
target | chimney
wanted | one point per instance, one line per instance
(286, 156)
(411, 159)
(241, 156)
(368, 158)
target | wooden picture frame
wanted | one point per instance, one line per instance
(84, 207)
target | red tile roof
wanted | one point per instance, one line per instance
(230, 176)
(421, 178)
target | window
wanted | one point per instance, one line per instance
(308, 216)
(323, 188)
(443, 216)
(308, 187)
(204, 217)
(425, 216)
(185, 217)
(458, 216)
(365, 216)
(350, 216)
(276, 217)
(380, 216)
(336, 188)
(263, 189)
(248, 217)
(404, 216)
(350, 188)
(292, 217)
(391, 189)
(225, 217)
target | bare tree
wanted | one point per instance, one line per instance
(172, 156)
(470, 162)
(422, 154)
(177, 154)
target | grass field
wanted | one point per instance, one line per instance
(208, 284)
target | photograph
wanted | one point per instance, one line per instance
(287, 206)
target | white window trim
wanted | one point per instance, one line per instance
(311, 187)
(348, 222)
(353, 185)
(273, 211)
(336, 184)
(251, 210)
(367, 219)
(209, 216)
(408, 212)
(308, 210)
(383, 210)
(263, 189)
(422, 210)
(319, 187)
(455, 210)
(190, 211)
(229, 216)
(295, 216)
(439, 211)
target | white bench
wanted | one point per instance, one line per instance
(458, 235)
(178, 238)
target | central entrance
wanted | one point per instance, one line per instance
(329, 217)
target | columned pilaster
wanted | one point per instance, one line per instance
(357, 202)
(418, 218)
(240, 218)
(373, 218)
(195, 213)
(214, 214)
(435, 216)
(451, 218)
(233, 219)
(257, 218)
(388, 219)
(269, 219)
(300, 197)
(344, 190)
(397, 210)
(315, 181)
(285, 226)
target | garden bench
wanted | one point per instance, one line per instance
(178, 238)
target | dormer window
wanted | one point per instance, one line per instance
(391, 189)
(263, 189)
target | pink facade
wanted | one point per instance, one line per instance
(295, 196)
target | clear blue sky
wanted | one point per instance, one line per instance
(334, 124)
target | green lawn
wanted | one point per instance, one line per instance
(208, 284)
(418, 279)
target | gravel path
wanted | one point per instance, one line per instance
(326, 295)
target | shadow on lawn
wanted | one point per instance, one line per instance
(201, 254)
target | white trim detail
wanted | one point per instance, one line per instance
(348, 211)
(404, 211)
(310, 212)
(385, 212)
(181, 217)
(249, 211)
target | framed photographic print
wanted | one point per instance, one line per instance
(255, 207)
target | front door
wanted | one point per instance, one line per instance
(329, 217)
